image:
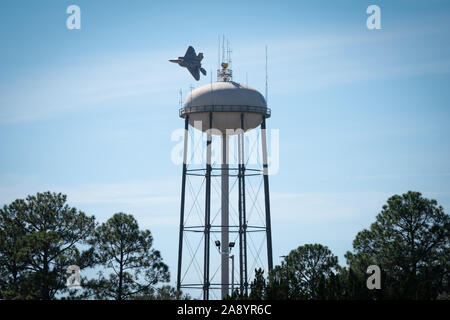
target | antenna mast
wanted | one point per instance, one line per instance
(223, 48)
(218, 54)
(224, 73)
(267, 85)
(229, 51)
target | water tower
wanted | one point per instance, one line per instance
(220, 212)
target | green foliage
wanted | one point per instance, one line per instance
(38, 241)
(127, 252)
(258, 286)
(301, 272)
(409, 241)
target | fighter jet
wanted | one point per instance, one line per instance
(192, 62)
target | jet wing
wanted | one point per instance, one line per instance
(195, 72)
(190, 53)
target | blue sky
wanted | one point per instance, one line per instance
(363, 114)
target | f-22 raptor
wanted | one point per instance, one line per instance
(192, 62)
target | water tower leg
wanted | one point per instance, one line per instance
(183, 193)
(266, 194)
(242, 214)
(207, 212)
(225, 217)
(241, 237)
(244, 206)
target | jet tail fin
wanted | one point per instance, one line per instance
(190, 53)
(203, 71)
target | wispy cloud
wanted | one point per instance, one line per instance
(297, 64)
(325, 208)
(321, 61)
(87, 84)
(152, 203)
(157, 202)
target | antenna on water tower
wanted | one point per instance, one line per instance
(191, 88)
(218, 54)
(267, 85)
(224, 73)
(223, 48)
(229, 51)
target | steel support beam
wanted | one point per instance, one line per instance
(206, 283)
(240, 211)
(183, 197)
(244, 210)
(225, 250)
(243, 273)
(266, 193)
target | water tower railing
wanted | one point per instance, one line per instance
(225, 108)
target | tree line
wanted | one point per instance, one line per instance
(409, 242)
(41, 236)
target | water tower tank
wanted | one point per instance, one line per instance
(227, 101)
